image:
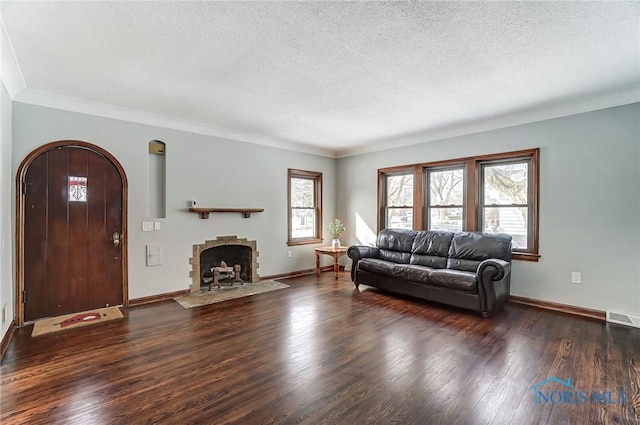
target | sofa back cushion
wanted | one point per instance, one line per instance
(468, 249)
(395, 245)
(431, 248)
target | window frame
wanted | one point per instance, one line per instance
(427, 207)
(530, 196)
(382, 194)
(472, 191)
(316, 177)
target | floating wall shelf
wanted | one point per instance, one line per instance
(246, 212)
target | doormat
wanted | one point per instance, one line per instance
(225, 293)
(75, 320)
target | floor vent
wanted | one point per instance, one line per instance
(623, 319)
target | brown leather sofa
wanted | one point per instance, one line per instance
(463, 269)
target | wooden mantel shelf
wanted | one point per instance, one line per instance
(204, 212)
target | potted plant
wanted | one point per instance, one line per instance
(335, 229)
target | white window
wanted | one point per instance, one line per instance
(505, 200)
(490, 193)
(305, 207)
(399, 201)
(445, 199)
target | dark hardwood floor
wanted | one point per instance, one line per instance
(320, 352)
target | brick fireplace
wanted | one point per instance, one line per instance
(230, 249)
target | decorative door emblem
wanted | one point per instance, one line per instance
(77, 189)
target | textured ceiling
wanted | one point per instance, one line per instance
(334, 78)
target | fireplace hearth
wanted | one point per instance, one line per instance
(222, 252)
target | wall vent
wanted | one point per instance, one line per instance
(623, 319)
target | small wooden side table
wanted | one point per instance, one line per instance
(335, 253)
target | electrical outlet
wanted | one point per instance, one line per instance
(147, 226)
(576, 277)
(156, 225)
(289, 254)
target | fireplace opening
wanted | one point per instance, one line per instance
(230, 250)
(229, 255)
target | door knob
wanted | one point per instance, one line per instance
(116, 239)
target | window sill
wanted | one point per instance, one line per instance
(525, 256)
(304, 242)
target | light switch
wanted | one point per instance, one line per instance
(156, 225)
(154, 254)
(147, 226)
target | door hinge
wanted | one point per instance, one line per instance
(24, 296)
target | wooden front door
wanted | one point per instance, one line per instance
(72, 249)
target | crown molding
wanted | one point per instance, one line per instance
(542, 112)
(55, 101)
(10, 72)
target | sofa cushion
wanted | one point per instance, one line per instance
(395, 257)
(430, 248)
(411, 272)
(454, 279)
(375, 265)
(395, 244)
(468, 249)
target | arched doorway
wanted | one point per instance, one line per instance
(71, 227)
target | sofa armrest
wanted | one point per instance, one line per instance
(358, 252)
(493, 269)
(494, 284)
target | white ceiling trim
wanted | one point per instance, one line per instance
(560, 108)
(10, 72)
(563, 108)
(50, 100)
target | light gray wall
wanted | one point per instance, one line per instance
(6, 240)
(589, 197)
(589, 202)
(215, 172)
